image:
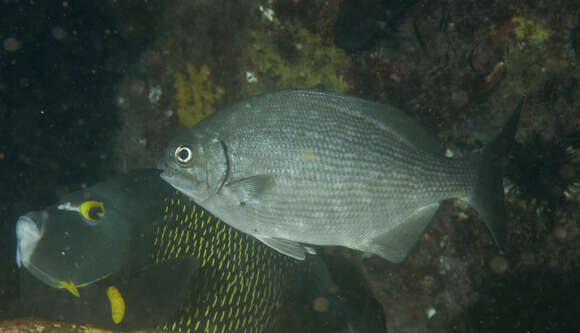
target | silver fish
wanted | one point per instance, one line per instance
(304, 167)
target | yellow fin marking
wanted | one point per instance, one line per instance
(70, 286)
(117, 304)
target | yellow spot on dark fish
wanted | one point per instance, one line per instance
(117, 304)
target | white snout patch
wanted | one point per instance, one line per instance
(27, 236)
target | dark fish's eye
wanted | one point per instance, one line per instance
(92, 212)
(183, 155)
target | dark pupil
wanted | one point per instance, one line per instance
(183, 155)
(95, 213)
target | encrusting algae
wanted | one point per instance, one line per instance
(195, 95)
(306, 63)
(528, 29)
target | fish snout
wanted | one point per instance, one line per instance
(28, 233)
(162, 164)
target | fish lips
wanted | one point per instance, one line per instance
(168, 172)
(173, 176)
(181, 180)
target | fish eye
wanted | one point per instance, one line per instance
(183, 155)
(92, 212)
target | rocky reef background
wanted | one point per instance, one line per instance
(88, 91)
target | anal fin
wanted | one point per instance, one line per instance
(395, 244)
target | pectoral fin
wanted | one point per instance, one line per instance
(248, 189)
(395, 244)
(288, 247)
(70, 286)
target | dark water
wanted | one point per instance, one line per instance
(57, 109)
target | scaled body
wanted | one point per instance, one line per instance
(294, 167)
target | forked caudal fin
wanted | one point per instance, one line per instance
(487, 196)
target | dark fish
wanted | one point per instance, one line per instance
(151, 257)
(294, 167)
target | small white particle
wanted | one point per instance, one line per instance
(251, 78)
(154, 94)
(268, 14)
(430, 312)
(448, 153)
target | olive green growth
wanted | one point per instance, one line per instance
(307, 63)
(195, 95)
(529, 29)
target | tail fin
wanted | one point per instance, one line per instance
(487, 196)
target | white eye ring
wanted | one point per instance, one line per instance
(183, 155)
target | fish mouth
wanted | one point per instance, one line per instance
(28, 234)
(170, 175)
(162, 164)
(179, 180)
(175, 180)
